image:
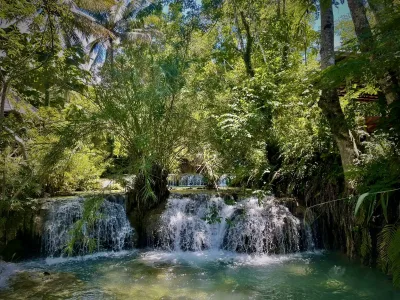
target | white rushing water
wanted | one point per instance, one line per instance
(110, 230)
(195, 180)
(204, 222)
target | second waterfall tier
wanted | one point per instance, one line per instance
(86, 230)
(201, 222)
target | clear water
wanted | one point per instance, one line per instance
(197, 275)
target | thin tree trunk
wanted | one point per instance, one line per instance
(4, 90)
(389, 83)
(112, 55)
(285, 51)
(329, 101)
(278, 8)
(3, 186)
(249, 46)
(47, 93)
(361, 25)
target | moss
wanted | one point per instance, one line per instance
(21, 229)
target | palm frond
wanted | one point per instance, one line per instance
(116, 12)
(88, 26)
(94, 45)
(99, 57)
(135, 36)
(133, 7)
(97, 5)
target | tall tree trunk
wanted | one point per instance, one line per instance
(4, 90)
(278, 8)
(249, 46)
(361, 25)
(139, 204)
(285, 51)
(112, 55)
(47, 93)
(329, 101)
(388, 83)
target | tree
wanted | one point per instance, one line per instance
(118, 23)
(329, 101)
(388, 82)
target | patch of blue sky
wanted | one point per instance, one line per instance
(338, 12)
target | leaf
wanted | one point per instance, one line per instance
(360, 201)
(384, 203)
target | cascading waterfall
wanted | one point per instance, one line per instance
(192, 180)
(207, 222)
(224, 180)
(110, 231)
(186, 180)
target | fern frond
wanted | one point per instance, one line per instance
(384, 239)
(389, 251)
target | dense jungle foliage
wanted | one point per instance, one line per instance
(249, 88)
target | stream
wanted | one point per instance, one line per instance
(202, 248)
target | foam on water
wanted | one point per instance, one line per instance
(204, 222)
(61, 260)
(227, 257)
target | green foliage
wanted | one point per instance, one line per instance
(212, 216)
(231, 86)
(79, 235)
(389, 251)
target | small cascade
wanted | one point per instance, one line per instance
(224, 180)
(110, 230)
(186, 180)
(207, 222)
(192, 180)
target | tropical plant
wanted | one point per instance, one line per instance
(118, 24)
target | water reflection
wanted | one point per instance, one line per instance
(199, 275)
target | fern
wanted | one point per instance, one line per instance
(389, 251)
(394, 257)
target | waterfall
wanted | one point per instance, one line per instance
(190, 180)
(207, 222)
(110, 230)
(224, 180)
(186, 180)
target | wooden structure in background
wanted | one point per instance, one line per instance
(371, 122)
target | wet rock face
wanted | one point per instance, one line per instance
(107, 229)
(140, 207)
(21, 230)
(23, 233)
